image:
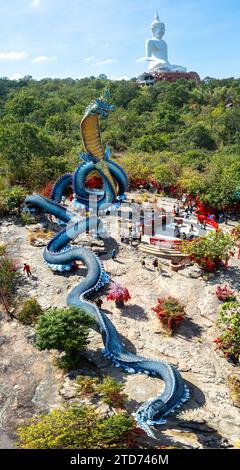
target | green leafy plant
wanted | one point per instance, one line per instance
(8, 279)
(229, 339)
(78, 427)
(87, 385)
(111, 392)
(14, 198)
(30, 311)
(210, 252)
(27, 219)
(64, 329)
(170, 312)
(234, 387)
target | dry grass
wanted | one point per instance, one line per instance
(46, 235)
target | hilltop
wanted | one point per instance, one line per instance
(177, 134)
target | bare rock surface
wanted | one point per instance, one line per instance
(30, 383)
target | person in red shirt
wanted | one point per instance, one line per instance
(27, 269)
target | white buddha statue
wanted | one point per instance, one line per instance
(157, 50)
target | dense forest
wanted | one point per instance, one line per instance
(178, 135)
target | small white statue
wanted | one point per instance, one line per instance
(157, 50)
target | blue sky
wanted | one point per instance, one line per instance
(77, 38)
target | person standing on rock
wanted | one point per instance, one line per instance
(159, 266)
(155, 263)
(27, 269)
(99, 302)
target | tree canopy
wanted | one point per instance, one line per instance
(177, 133)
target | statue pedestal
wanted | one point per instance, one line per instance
(148, 78)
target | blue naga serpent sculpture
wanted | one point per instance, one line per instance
(59, 253)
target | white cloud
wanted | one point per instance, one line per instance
(139, 61)
(35, 3)
(13, 55)
(16, 76)
(107, 61)
(88, 59)
(44, 58)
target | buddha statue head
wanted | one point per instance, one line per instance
(158, 27)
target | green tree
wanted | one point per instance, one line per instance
(200, 137)
(64, 329)
(8, 279)
(14, 198)
(20, 143)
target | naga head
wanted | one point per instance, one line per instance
(100, 105)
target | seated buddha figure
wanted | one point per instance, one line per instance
(157, 50)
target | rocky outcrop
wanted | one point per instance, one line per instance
(31, 383)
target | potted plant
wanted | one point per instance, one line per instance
(170, 313)
(119, 294)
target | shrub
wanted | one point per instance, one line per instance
(225, 294)
(170, 313)
(234, 386)
(27, 219)
(118, 293)
(8, 279)
(64, 329)
(14, 198)
(78, 427)
(30, 311)
(236, 232)
(111, 392)
(87, 385)
(210, 252)
(229, 322)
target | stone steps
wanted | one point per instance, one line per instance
(165, 253)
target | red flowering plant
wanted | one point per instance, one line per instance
(212, 251)
(47, 190)
(225, 294)
(94, 182)
(229, 339)
(118, 293)
(170, 313)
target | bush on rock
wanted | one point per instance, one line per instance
(64, 329)
(30, 311)
(229, 339)
(78, 427)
